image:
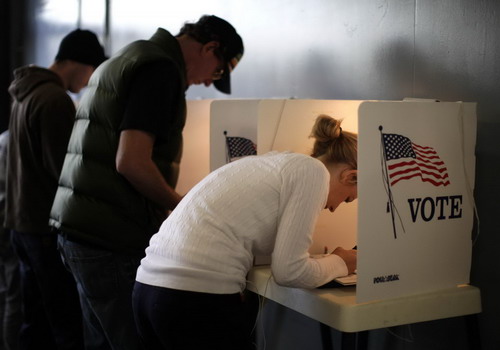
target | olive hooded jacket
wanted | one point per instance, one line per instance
(41, 121)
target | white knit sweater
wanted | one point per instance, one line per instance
(257, 205)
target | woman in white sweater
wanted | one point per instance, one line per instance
(187, 293)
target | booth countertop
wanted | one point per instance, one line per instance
(337, 307)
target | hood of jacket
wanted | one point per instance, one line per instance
(27, 79)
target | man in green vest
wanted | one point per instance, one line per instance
(119, 175)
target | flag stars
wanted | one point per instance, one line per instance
(239, 147)
(397, 146)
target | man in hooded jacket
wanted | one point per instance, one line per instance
(41, 121)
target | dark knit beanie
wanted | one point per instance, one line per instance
(81, 46)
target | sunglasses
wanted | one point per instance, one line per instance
(219, 72)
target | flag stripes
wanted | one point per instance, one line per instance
(406, 160)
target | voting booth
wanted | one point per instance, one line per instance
(413, 220)
(415, 208)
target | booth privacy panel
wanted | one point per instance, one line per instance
(415, 206)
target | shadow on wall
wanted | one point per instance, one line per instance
(394, 65)
(387, 76)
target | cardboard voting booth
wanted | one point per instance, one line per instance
(415, 207)
(413, 219)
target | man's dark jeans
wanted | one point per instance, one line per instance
(105, 281)
(52, 316)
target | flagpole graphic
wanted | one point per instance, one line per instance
(385, 173)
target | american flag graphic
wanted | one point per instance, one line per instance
(406, 160)
(239, 147)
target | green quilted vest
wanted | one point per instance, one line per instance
(94, 203)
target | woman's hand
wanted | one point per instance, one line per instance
(350, 258)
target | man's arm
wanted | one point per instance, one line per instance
(134, 162)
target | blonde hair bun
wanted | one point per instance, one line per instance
(338, 145)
